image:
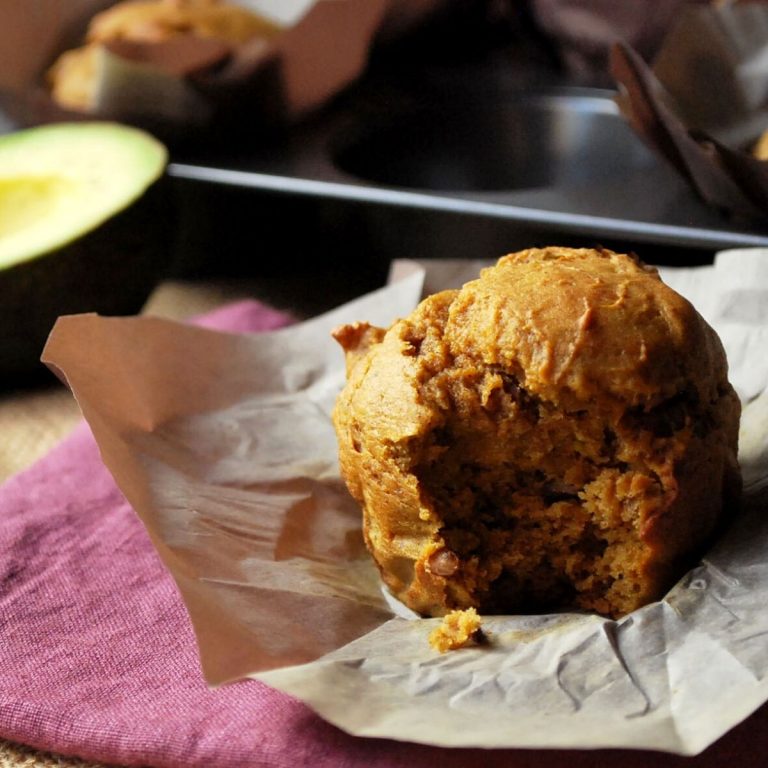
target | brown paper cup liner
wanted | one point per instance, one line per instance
(728, 179)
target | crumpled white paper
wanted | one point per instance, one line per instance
(245, 505)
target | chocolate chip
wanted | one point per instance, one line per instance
(443, 563)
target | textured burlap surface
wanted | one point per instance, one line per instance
(17, 756)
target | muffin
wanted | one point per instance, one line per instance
(557, 434)
(74, 77)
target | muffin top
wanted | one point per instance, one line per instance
(582, 323)
(576, 328)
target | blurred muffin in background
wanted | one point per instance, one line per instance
(214, 25)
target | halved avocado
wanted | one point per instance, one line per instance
(83, 227)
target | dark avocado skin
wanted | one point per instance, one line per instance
(111, 270)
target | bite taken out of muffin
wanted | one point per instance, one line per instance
(559, 434)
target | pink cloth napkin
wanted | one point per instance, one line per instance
(98, 659)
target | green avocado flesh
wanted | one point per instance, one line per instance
(85, 226)
(59, 182)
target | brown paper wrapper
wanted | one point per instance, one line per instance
(224, 447)
(700, 107)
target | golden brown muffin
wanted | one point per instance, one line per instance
(559, 433)
(158, 20)
(73, 78)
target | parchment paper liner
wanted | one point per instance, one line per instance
(705, 102)
(223, 446)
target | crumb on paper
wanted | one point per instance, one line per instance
(458, 630)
